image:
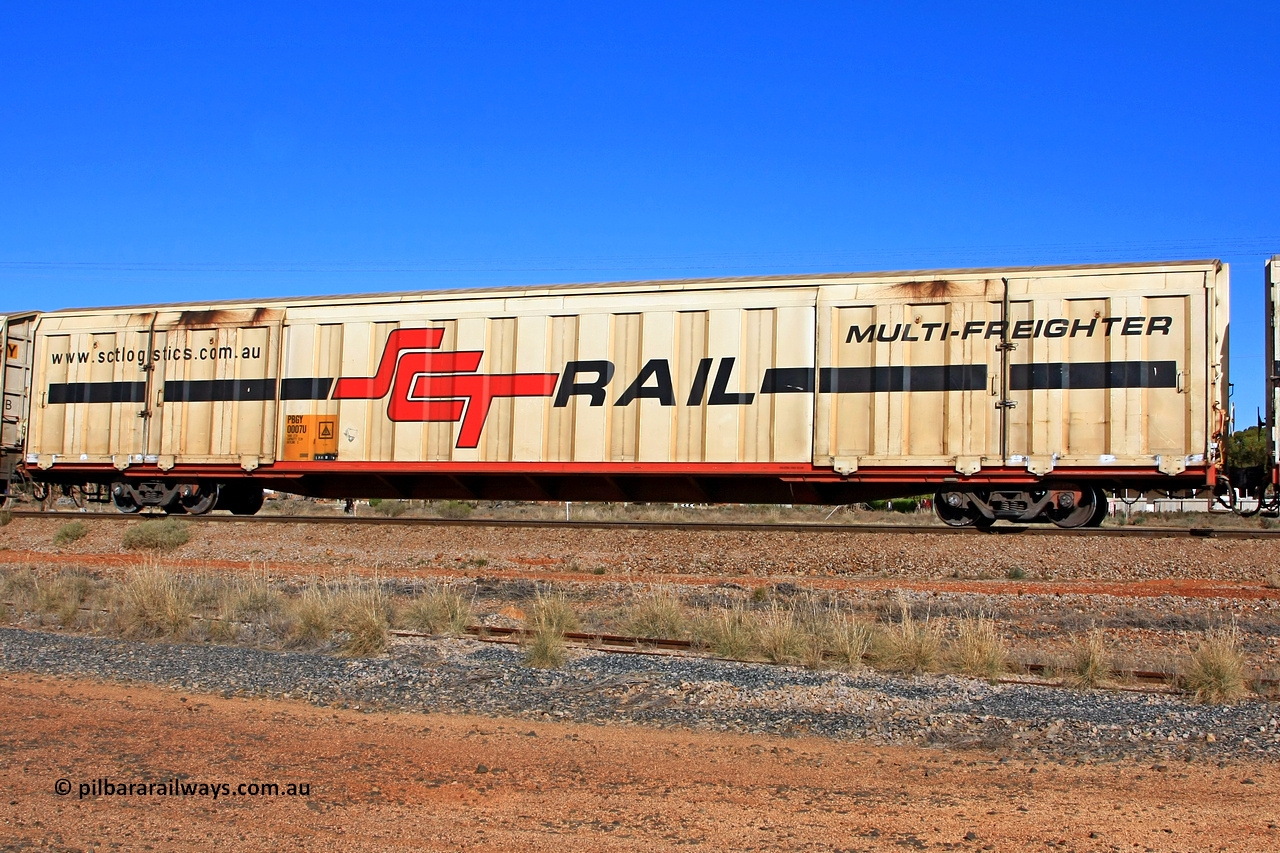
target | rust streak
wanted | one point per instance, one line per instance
(938, 288)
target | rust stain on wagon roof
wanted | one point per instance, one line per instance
(226, 317)
(943, 288)
(938, 288)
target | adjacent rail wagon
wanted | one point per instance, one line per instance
(1016, 393)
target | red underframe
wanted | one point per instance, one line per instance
(787, 472)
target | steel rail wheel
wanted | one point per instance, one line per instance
(1084, 503)
(1101, 508)
(953, 510)
(200, 498)
(123, 500)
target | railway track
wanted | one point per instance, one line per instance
(772, 527)
(1036, 674)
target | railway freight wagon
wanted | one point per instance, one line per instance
(1010, 393)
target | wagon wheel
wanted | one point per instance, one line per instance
(953, 516)
(249, 502)
(124, 501)
(203, 500)
(1100, 509)
(1080, 513)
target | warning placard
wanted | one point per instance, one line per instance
(310, 438)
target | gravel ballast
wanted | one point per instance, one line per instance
(472, 677)
(799, 554)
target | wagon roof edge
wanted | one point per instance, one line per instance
(514, 291)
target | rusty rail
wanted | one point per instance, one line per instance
(1140, 680)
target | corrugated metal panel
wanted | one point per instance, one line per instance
(845, 372)
(1107, 370)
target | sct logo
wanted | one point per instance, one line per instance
(439, 387)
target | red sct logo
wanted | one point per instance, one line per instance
(439, 387)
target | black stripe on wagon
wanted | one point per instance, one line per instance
(305, 389)
(868, 380)
(1093, 374)
(218, 390)
(97, 392)
(788, 380)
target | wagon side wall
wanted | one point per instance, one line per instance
(1112, 369)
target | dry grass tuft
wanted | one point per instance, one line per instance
(439, 610)
(254, 599)
(658, 615)
(545, 649)
(1090, 663)
(64, 595)
(781, 639)
(364, 612)
(164, 535)
(20, 590)
(1216, 673)
(314, 616)
(555, 612)
(728, 634)
(69, 533)
(848, 640)
(216, 599)
(551, 618)
(155, 604)
(979, 649)
(909, 646)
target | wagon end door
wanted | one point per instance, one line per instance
(1272, 364)
(15, 374)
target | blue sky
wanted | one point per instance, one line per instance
(178, 152)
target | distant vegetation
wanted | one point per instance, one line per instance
(1247, 448)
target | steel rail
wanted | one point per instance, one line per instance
(711, 526)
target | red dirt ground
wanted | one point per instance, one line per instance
(415, 782)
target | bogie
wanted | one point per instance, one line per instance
(1066, 505)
